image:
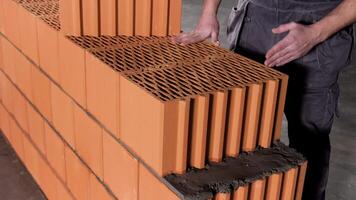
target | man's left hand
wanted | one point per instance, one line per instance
(298, 42)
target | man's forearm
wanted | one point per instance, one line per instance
(339, 18)
(208, 26)
(210, 7)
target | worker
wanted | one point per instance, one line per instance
(311, 41)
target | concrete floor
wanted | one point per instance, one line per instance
(17, 184)
(15, 181)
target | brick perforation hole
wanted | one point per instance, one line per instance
(41, 7)
(52, 21)
(170, 71)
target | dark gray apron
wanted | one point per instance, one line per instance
(238, 13)
(323, 63)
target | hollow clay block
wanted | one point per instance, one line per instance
(143, 19)
(90, 16)
(108, 17)
(289, 184)
(301, 178)
(182, 136)
(175, 14)
(160, 17)
(217, 130)
(268, 113)
(258, 190)
(199, 131)
(237, 102)
(241, 193)
(70, 17)
(252, 113)
(274, 185)
(283, 84)
(222, 196)
(154, 139)
(126, 16)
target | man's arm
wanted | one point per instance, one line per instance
(208, 26)
(302, 38)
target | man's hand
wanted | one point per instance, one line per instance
(208, 27)
(298, 42)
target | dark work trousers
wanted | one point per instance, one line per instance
(313, 85)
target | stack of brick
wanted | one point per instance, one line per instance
(123, 17)
(110, 117)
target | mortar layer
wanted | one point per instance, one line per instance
(227, 176)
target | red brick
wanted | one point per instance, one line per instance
(241, 193)
(72, 70)
(2, 85)
(17, 56)
(175, 17)
(117, 132)
(48, 49)
(63, 114)
(257, 190)
(90, 17)
(143, 15)
(47, 180)
(289, 184)
(32, 158)
(151, 188)
(77, 176)
(20, 109)
(7, 90)
(41, 92)
(16, 139)
(222, 196)
(158, 121)
(108, 17)
(55, 151)
(23, 75)
(120, 169)
(4, 121)
(125, 16)
(70, 17)
(1, 17)
(28, 34)
(62, 192)
(102, 83)
(160, 17)
(10, 55)
(1, 56)
(97, 190)
(36, 128)
(11, 29)
(133, 108)
(89, 141)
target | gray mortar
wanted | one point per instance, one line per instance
(226, 176)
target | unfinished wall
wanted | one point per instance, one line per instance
(107, 117)
(120, 17)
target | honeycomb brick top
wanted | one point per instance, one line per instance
(170, 71)
(52, 21)
(46, 10)
(41, 7)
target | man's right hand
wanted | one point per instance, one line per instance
(208, 27)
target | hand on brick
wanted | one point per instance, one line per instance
(208, 27)
(298, 42)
